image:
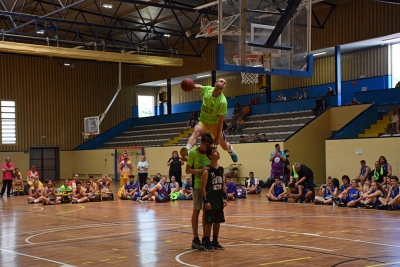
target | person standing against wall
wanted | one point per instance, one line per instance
(175, 167)
(142, 168)
(7, 169)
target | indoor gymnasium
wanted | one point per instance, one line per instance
(200, 133)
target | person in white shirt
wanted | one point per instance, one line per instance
(142, 168)
(252, 186)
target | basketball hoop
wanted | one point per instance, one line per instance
(86, 134)
(251, 61)
(205, 25)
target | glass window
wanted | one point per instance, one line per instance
(395, 65)
(146, 106)
(8, 132)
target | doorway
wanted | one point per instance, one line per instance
(47, 162)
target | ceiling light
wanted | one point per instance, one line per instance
(205, 75)
(391, 40)
(41, 31)
(67, 64)
(318, 54)
(106, 4)
(161, 83)
(167, 35)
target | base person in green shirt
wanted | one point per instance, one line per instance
(196, 165)
(211, 119)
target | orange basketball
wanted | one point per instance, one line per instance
(187, 84)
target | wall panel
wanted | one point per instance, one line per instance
(368, 63)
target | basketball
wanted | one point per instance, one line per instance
(187, 84)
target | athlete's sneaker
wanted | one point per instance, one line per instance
(184, 154)
(369, 207)
(138, 199)
(196, 244)
(234, 157)
(390, 207)
(217, 246)
(208, 246)
(336, 200)
(362, 205)
(317, 202)
(341, 204)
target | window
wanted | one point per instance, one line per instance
(395, 64)
(8, 134)
(146, 105)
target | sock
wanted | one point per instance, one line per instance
(232, 151)
(188, 147)
(215, 239)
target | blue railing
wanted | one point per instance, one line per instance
(357, 125)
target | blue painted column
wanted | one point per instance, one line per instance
(338, 76)
(169, 93)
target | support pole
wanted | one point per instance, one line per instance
(116, 94)
(213, 77)
(338, 76)
(169, 98)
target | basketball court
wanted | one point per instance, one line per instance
(256, 233)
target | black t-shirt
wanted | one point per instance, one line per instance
(214, 187)
(285, 170)
(307, 172)
(319, 102)
(379, 175)
(176, 165)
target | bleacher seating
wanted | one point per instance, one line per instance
(277, 127)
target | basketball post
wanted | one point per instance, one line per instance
(116, 94)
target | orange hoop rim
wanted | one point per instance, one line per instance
(249, 56)
(87, 133)
(204, 23)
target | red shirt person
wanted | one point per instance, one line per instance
(7, 169)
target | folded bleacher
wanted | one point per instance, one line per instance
(276, 127)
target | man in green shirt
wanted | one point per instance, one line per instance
(65, 187)
(196, 164)
(213, 110)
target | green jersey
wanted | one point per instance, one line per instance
(197, 160)
(212, 107)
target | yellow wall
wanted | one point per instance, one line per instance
(340, 116)
(341, 155)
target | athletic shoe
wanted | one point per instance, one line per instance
(87, 200)
(139, 199)
(208, 246)
(197, 245)
(74, 202)
(390, 207)
(31, 202)
(336, 200)
(9, 196)
(361, 205)
(342, 204)
(217, 246)
(317, 202)
(184, 154)
(382, 207)
(369, 207)
(234, 157)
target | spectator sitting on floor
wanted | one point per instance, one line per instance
(231, 189)
(192, 119)
(392, 200)
(33, 175)
(173, 185)
(252, 184)
(245, 111)
(79, 194)
(379, 175)
(394, 125)
(277, 192)
(236, 111)
(131, 189)
(319, 106)
(327, 192)
(330, 92)
(17, 183)
(249, 139)
(263, 138)
(73, 182)
(367, 186)
(353, 195)
(65, 188)
(353, 102)
(370, 199)
(364, 171)
(281, 98)
(187, 189)
(35, 193)
(343, 193)
(242, 140)
(299, 193)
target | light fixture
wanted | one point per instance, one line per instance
(205, 75)
(106, 4)
(66, 64)
(161, 83)
(318, 54)
(41, 31)
(167, 35)
(392, 40)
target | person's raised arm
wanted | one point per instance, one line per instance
(271, 156)
(197, 86)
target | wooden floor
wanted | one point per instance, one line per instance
(257, 233)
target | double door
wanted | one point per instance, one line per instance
(47, 162)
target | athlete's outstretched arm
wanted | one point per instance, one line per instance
(197, 86)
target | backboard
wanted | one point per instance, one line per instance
(278, 30)
(92, 125)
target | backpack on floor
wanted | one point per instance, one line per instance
(241, 192)
(261, 184)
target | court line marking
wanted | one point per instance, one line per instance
(21, 213)
(38, 258)
(275, 262)
(81, 208)
(316, 235)
(177, 257)
(383, 264)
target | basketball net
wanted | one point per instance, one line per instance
(248, 78)
(205, 25)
